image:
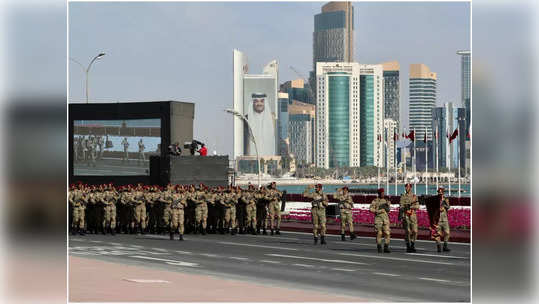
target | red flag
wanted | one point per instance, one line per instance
(425, 139)
(454, 135)
(411, 136)
(468, 135)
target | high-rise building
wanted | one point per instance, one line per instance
(446, 119)
(465, 84)
(283, 124)
(255, 97)
(333, 36)
(422, 98)
(390, 129)
(392, 91)
(371, 115)
(337, 114)
(301, 131)
(296, 91)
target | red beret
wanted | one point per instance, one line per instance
(381, 190)
(441, 189)
(318, 185)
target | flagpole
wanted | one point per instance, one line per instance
(458, 155)
(437, 172)
(426, 165)
(378, 161)
(449, 144)
(387, 161)
(415, 165)
(405, 160)
(395, 162)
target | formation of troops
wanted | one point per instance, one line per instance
(180, 209)
(89, 149)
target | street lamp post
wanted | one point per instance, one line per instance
(87, 69)
(236, 113)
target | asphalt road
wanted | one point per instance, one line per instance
(291, 260)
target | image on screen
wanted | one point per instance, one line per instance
(115, 147)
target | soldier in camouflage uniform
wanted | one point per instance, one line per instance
(407, 214)
(230, 201)
(346, 204)
(318, 212)
(249, 198)
(381, 207)
(201, 210)
(274, 208)
(165, 210)
(262, 210)
(108, 205)
(443, 224)
(78, 205)
(139, 204)
(179, 202)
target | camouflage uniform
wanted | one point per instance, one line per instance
(201, 210)
(275, 210)
(407, 213)
(78, 204)
(250, 207)
(381, 207)
(346, 205)
(139, 203)
(318, 212)
(230, 201)
(179, 202)
(109, 212)
(261, 210)
(443, 225)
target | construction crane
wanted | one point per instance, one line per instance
(308, 85)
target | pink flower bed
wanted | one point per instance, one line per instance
(458, 218)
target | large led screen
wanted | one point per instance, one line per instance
(115, 147)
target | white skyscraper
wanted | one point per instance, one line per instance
(390, 129)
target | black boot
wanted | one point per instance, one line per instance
(112, 231)
(253, 231)
(412, 247)
(352, 236)
(233, 232)
(439, 247)
(203, 230)
(278, 231)
(81, 231)
(323, 240)
(379, 247)
(342, 237)
(73, 231)
(315, 240)
(408, 247)
(264, 232)
(272, 232)
(104, 231)
(445, 247)
(171, 234)
(142, 231)
(181, 237)
(386, 248)
(258, 230)
(196, 229)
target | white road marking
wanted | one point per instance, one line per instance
(116, 244)
(271, 262)
(387, 274)
(160, 249)
(96, 241)
(260, 246)
(396, 259)
(435, 280)
(372, 238)
(303, 265)
(210, 255)
(343, 269)
(184, 252)
(167, 261)
(145, 281)
(77, 240)
(439, 256)
(239, 258)
(275, 237)
(137, 246)
(315, 259)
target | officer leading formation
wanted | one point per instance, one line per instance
(180, 209)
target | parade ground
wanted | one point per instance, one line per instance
(262, 268)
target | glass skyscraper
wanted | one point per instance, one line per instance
(422, 97)
(465, 84)
(367, 120)
(392, 91)
(339, 97)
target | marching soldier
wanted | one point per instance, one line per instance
(125, 144)
(443, 224)
(166, 199)
(318, 211)
(139, 204)
(179, 202)
(109, 212)
(275, 208)
(230, 200)
(78, 204)
(407, 214)
(381, 207)
(250, 208)
(346, 204)
(201, 210)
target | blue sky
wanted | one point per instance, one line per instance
(183, 51)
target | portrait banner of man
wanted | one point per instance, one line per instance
(259, 100)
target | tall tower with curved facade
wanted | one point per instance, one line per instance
(422, 99)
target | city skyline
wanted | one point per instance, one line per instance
(161, 51)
